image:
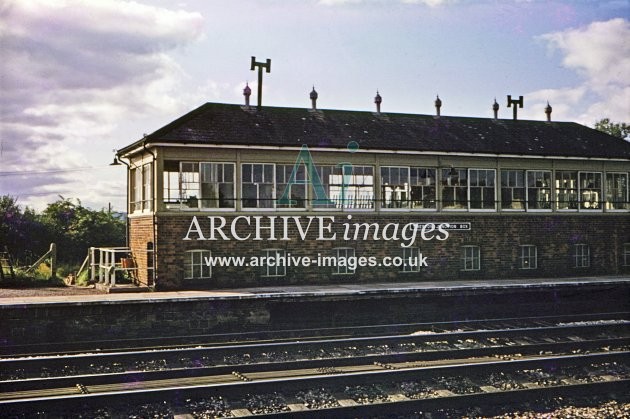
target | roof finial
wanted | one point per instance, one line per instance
(548, 110)
(247, 92)
(438, 105)
(378, 99)
(314, 96)
(495, 108)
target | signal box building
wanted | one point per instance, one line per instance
(466, 198)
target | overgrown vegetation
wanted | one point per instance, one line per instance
(73, 227)
(39, 277)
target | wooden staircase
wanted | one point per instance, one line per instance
(6, 265)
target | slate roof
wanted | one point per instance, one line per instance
(215, 123)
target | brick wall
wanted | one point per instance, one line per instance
(89, 321)
(140, 237)
(498, 236)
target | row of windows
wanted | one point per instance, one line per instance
(266, 185)
(528, 257)
(196, 266)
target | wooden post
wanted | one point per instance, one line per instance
(53, 260)
(92, 266)
(100, 269)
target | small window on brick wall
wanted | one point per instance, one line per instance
(529, 257)
(582, 256)
(411, 259)
(626, 254)
(471, 258)
(195, 266)
(345, 261)
(275, 263)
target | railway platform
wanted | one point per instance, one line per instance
(59, 319)
(332, 290)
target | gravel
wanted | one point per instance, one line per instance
(366, 394)
(317, 399)
(503, 381)
(540, 377)
(153, 365)
(260, 404)
(416, 390)
(608, 410)
(458, 385)
(47, 291)
(106, 368)
(208, 408)
(146, 411)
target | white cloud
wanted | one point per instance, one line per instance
(72, 70)
(600, 51)
(338, 2)
(600, 54)
(430, 3)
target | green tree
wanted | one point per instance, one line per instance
(616, 129)
(73, 227)
(21, 231)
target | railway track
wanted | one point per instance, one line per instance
(290, 335)
(407, 373)
(362, 391)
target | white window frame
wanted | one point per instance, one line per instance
(608, 205)
(540, 189)
(136, 189)
(189, 177)
(280, 190)
(406, 203)
(471, 255)
(575, 189)
(343, 252)
(528, 258)
(581, 255)
(434, 185)
(599, 195)
(147, 183)
(357, 184)
(218, 184)
(409, 204)
(141, 188)
(274, 271)
(445, 182)
(170, 187)
(407, 254)
(512, 187)
(265, 182)
(494, 188)
(206, 270)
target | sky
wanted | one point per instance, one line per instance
(80, 79)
